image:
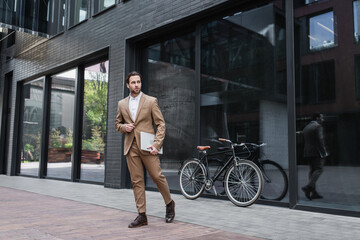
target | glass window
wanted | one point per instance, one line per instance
(356, 8)
(8, 11)
(243, 86)
(61, 124)
(94, 122)
(100, 5)
(29, 18)
(318, 82)
(310, 1)
(53, 16)
(39, 16)
(329, 84)
(78, 11)
(300, 3)
(321, 31)
(170, 70)
(30, 143)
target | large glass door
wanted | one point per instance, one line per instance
(240, 89)
(94, 122)
(31, 127)
(243, 87)
(62, 102)
(171, 78)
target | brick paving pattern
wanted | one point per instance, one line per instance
(25, 215)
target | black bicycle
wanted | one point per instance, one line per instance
(243, 180)
(275, 177)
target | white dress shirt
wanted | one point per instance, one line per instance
(134, 105)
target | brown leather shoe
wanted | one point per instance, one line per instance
(170, 212)
(139, 221)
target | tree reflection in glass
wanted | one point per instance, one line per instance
(94, 122)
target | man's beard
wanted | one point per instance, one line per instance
(136, 91)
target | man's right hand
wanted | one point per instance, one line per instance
(129, 127)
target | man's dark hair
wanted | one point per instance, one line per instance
(133, 73)
(316, 115)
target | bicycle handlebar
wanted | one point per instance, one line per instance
(229, 141)
(257, 145)
(241, 144)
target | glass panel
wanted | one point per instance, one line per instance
(30, 144)
(100, 5)
(321, 31)
(8, 12)
(79, 11)
(44, 16)
(61, 124)
(41, 16)
(356, 7)
(94, 122)
(171, 77)
(243, 83)
(29, 14)
(326, 83)
(56, 16)
(107, 3)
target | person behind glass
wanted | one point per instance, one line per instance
(315, 152)
(138, 113)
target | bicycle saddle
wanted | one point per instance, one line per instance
(202, 148)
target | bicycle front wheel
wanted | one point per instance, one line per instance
(275, 180)
(243, 183)
(192, 178)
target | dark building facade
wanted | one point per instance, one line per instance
(250, 71)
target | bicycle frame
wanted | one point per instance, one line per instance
(204, 161)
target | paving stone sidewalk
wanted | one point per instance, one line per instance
(259, 221)
(26, 216)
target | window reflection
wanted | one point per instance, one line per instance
(61, 124)
(31, 127)
(94, 122)
(100, 5)
(329, 84)
(79, 11)
(321, 31)
(243, 82)
(171, 77)
(318, 82)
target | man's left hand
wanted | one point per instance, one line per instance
(153, 150)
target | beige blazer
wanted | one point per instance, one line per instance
(147, 115)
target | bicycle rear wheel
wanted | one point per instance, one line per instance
(192, 178)
(243, 183)
(275, 180)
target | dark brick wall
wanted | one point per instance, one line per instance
(37, 57)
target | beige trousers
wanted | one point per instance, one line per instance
(136, 161)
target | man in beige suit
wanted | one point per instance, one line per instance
(135, 114)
